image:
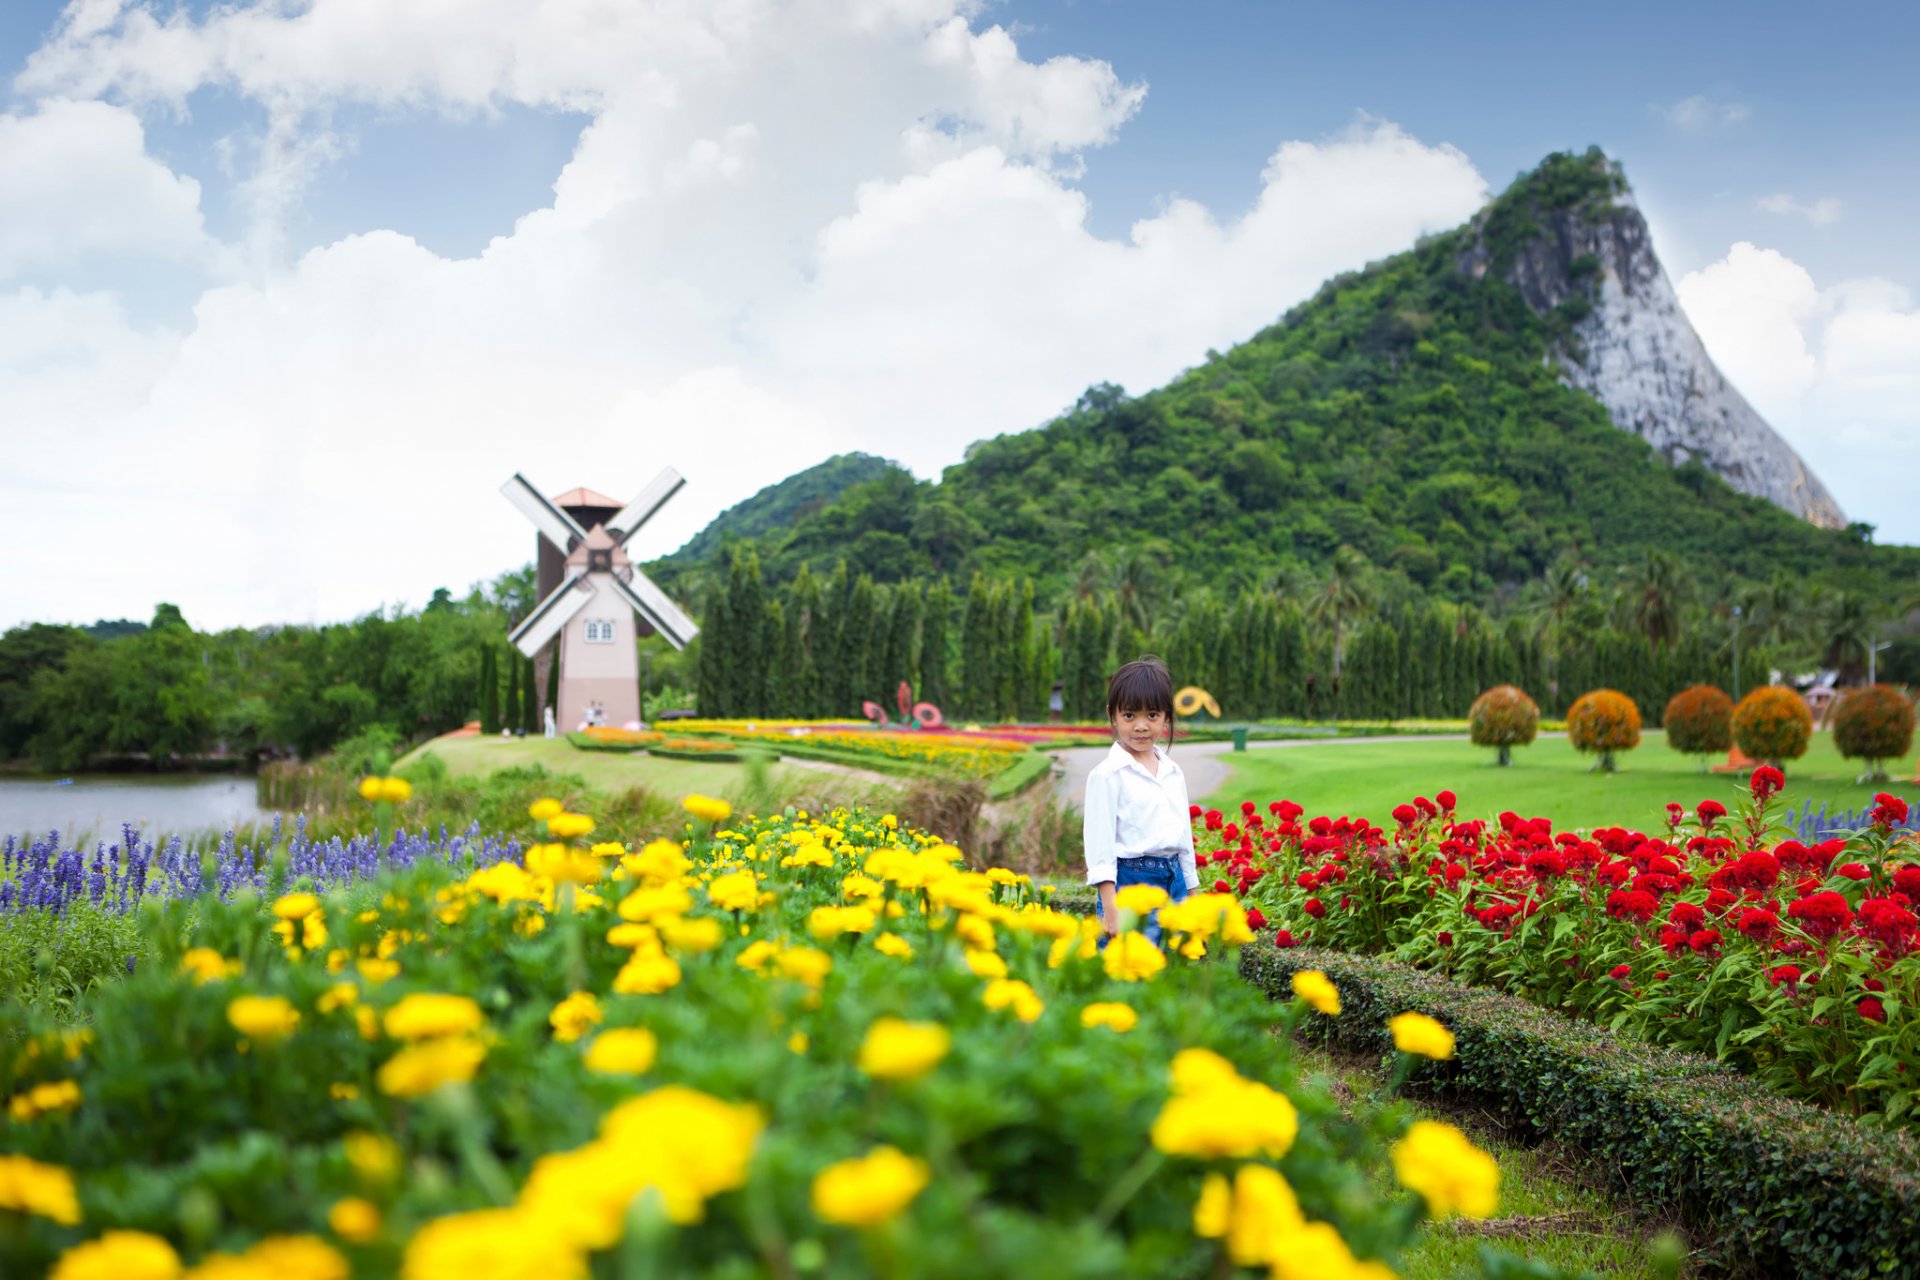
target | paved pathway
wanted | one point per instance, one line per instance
(1205, 766)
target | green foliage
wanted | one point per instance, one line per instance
(778, 506)
(1873, 724)
(489, 690)
(1775, 1187)
(1503, 717)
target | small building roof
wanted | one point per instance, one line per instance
(584, 497)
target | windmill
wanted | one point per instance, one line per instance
(591, 595)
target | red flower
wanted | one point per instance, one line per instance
(1907, 880)
(1888, 923)
(1314, 907)
(1852, 871)
(1287, 810)
(1888, 810)
(1674, 940)
(1223, 886)
(1766, 781)
(1447, 801)
(1705, 942)
(1215, 820)
(1719, 899)
(1446, 938)
(1710, 811)
(1620, 972)
(1256, 919)
(1757, 923)
(1872, 1010)
(1686, 915)
(1757, 869)
(1248, 808)
(1675, 812)
(1404, 814)
(1193, 813)
(1232, 832)
(1822, 914)
(1632, 904)
(1786, 973)
(1283, 939)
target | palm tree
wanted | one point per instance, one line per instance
(1344, 595)
(1843, 630)
(1562, 590)
(1653, 598)
(1090, 575)
(1134, 577)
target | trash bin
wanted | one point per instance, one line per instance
(1239, 739)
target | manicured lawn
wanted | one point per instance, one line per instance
(1548, 779)
(609, 771)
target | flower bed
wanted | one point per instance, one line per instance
(694, 749)
(1796, 963)
(788, 1046)
(608, 738)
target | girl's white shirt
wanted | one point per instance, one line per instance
(1130, 813)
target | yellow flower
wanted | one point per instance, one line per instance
(894, 1049)
(563, 864)
(797, 1042)
(342, 1091)
(354, 1220)
(296, 906)
(1316, 1251)
(986, 964)
(572, 1017)
(737, 891)
(1313, 986)
(975, 933)
(275, 1258)
(1207, 915)
(1214, 1113)
(499, 1244)
(1417, 1033)
(375, 969)
(804, 964)
(373, 1157)
(45, 1190)
(755, 956)
(869, 1189)
(1010, 993)
(47, 1099)
(422, 1068)
(208, 965)
(366, 1022)
(341, 995)
(1109, 1013)
(119, 1255)
(892, 944)
(855, 885)
(544, 810)
(1131, 957)
(370, 788)
(655, 901)
(634, 935)
(1140, 898)
(263, 1018)
(707, 808)
(396, 790)
(1263, 1213)
(647, 972)
(506, 882)
(1439, 1162)
(659, 860)
(623, 1051)
(565, 826)
(828, 923)
(608, 849)
(424, 1014)
(1213, 1211)
(693, 936)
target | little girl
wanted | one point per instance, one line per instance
(1137, 825)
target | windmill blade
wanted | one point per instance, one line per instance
(636, 513)
(555, 525)
(662, 614)
(551, 614)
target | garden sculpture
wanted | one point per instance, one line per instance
(913, 715)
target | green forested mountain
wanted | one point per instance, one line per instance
(781, 506)
(1410, 411)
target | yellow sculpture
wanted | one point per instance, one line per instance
(1190, 700)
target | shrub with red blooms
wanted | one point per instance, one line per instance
(1632, 904)
(1872, 1010)
(1766, 783)
(1874, 724)
(1503, 717)
(1699, 721)
(1772, 724)
(1602, 723)
(1889, 811)
(1620, 972)
(1784, 975)
(1823, 915)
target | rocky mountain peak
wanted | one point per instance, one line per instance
(1571, 240)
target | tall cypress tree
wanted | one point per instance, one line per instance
(934, 685)
(530, 718)
(863, 640)
(513, 720)
(804, 617)
(489, 690)
(1018, 700)
(976, 661)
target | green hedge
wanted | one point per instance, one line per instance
(674, 753)
(1025, 770)
(1779, 1187)
(582, 742)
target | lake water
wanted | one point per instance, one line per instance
(96, 806)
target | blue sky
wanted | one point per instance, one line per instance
(395, 236)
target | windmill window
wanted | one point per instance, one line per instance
(599, 631)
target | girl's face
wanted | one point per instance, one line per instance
(1139, 730)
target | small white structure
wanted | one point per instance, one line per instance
(599, 596)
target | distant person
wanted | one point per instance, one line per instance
(1137, 825)
(549, 722)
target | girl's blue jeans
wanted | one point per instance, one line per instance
(1162, 872)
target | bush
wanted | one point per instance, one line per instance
(1773, 724)
(1874, 724)
(607, 738)
(1603, 722)
(1779, 1187)
(1699, 721)
(1503, 717)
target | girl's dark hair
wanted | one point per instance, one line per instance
(1142, 685)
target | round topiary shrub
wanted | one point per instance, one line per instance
(1874, 724)
(1699, 722)
(1503, 717)
(1603, 722)
(1772, 725)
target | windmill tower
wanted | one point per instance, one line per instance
(592, 597)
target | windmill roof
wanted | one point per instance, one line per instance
(584, 497)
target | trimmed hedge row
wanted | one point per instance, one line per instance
(1779, 1187)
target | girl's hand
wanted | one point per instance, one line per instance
(1110, 917)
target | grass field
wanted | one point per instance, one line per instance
(1548, 779)
(613, 771)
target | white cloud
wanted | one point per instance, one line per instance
(788, 231)
(1820, 213)
(79, 183)
(1701, 114)
(1835, 369)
